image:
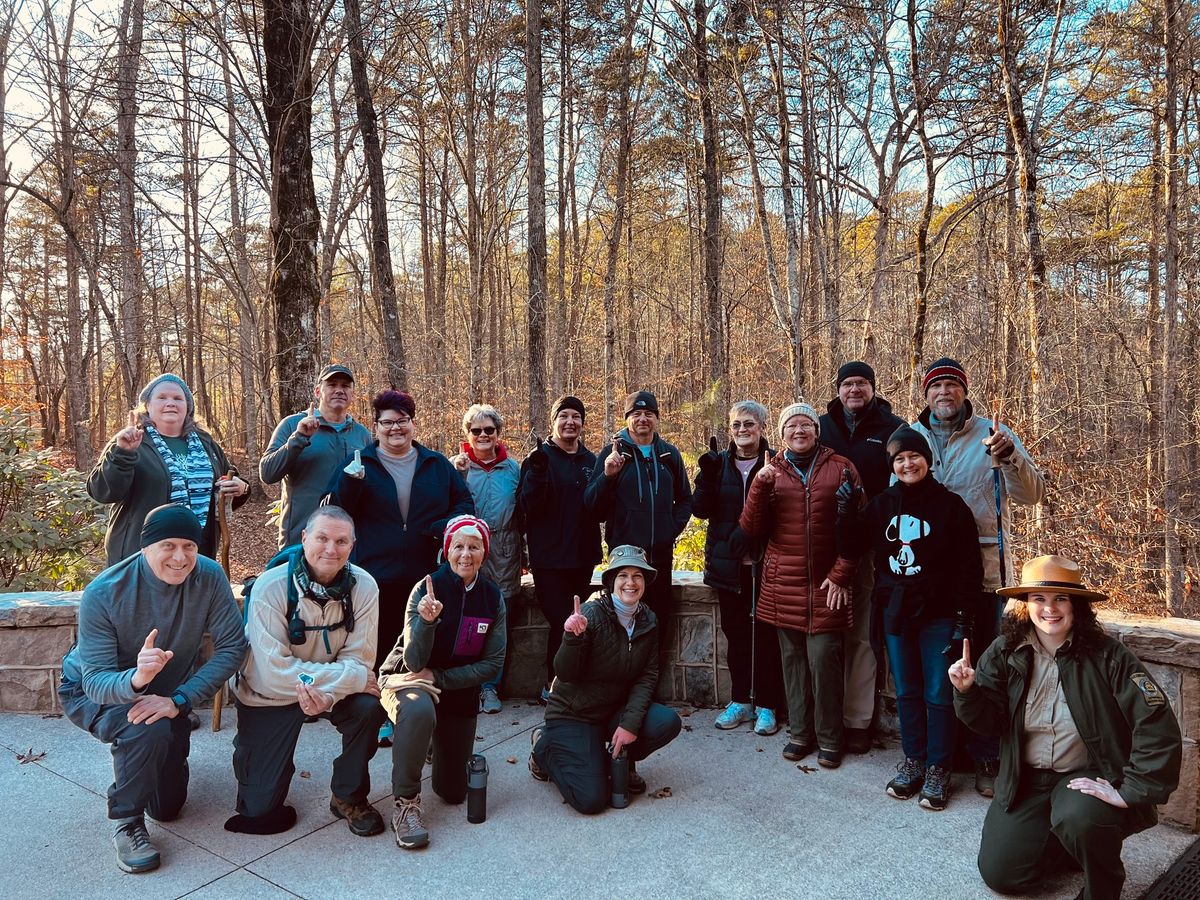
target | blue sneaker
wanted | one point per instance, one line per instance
(386, 730)
(734, 715)
(765, 722)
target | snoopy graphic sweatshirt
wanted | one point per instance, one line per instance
(926, 546)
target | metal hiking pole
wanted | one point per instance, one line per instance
(754, 582)
(999, 508)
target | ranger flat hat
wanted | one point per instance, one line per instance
(1051, 574)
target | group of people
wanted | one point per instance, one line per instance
(858, 539)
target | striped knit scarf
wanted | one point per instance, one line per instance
(191, 479)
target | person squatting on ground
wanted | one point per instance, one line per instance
(311, 626)
(1088, 742)
(162, 456)
(454, 640)
(400, 498)
(640, 490)
(601, 698)
(308, 447)
(964, 446)
(927, 585)
(492, 477)
(562, 536)
(128, 681)
(857, 424)
(730, 558)
(805, 591)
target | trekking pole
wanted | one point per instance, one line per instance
(224, 514)
(754, 584)
(999, 508)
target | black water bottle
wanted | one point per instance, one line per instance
(620, 780)
(477, 773)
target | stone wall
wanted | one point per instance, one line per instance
(36, 629)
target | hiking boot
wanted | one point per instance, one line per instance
(363, 819)
(910, 775)
(858, 740)
(765, 721)
(829, 759)
(985, 777)
(489, 701)
(936, 792)
(135, 853)
(636, 784)
(796, 751)
(386, 730)
(534, 769)
(733, 715)
(408, 824)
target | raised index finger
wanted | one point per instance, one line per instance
(576, 604)
(996, 423)
(967, 652)
(132, 419)
(149, 645)
(429, 588)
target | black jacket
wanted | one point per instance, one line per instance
(389, 547)
(561, 533)
(648, 503)
(604, 670)
(720, 500)
(927, 563)
(1123, 716)
(867, 447)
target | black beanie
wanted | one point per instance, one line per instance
(170, 521)
(641, 400)
(567, 402)
(857, 368)
(908, 438)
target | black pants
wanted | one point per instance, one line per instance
(150, 769)
(556, 591)
(740, 633)
(659, 598)
(573, 754)
(982, 747)
(1019, 846)
(266, 742)
(418, 721)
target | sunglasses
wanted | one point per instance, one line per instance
(487, 429)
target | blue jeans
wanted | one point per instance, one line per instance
(924, 695)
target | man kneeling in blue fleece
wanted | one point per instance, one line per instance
(128, 680)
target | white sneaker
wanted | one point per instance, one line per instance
(765, 723)
(734, 715)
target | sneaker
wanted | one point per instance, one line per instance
(637, 784)
(829, 759)
(363, 819)
(386, 730)
(858, 740)
(734, 715)
(985, 777)
(135, 853)
(534, 769)
(489, 701)
(796, 751)
(408, 824)
(936, 792)
(910, 775)
(765, 722)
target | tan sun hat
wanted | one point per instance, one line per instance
(1057, 574)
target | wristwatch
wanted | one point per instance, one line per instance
(182, 703)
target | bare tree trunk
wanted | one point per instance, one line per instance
(920, 102)
(129, 57)
(382, 279)
(1173, 558)
(294, 289)
(536, 252)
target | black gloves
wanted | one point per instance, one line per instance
(710, 462)
(538, 460)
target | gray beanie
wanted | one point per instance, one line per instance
(148, 390)
(799, 409)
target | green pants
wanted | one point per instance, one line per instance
(1022, 845)
(813, 683)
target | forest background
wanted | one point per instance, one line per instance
(488, 200)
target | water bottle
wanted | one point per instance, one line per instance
(620, 780)
(477, 773)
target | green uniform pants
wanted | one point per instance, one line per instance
(813, 683)
(1020, 846)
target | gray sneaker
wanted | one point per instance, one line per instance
(135, 853)
(408, 824)
(489, 701)
(910, 775)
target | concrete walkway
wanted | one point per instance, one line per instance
(740, 821)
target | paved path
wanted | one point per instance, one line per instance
(741, 821)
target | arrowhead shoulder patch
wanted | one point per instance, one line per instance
(1150, 691)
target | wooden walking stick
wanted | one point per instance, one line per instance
(224, 514)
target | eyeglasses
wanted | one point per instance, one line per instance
(388, 424)
(804, 426)
(486, 429)
(855, 384)
(748, 425)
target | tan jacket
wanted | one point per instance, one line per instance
(273, 666)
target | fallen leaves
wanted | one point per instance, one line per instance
(807, 770)
(29, 756)
(512, 760)
(660, 794)
(687, 727)
(304, 773)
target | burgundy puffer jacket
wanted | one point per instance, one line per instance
(798, 522)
